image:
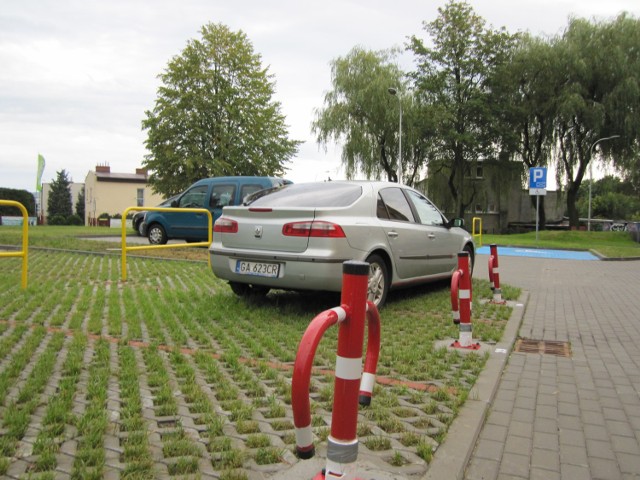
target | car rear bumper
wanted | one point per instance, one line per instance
(295, 272)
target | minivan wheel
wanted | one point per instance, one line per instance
(246, 290)
(157, 235)
(378, 285)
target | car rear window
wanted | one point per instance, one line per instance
(327, 194)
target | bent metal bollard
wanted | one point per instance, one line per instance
(461, 303)
(350, 388)
(494, 276)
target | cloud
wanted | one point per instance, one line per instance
(77, 76)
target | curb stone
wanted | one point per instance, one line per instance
(451, 459)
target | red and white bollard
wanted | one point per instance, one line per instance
(351, 386)
(494, 276)
(461, 303)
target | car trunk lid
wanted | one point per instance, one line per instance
(261, 229)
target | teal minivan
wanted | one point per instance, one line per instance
(210, 193)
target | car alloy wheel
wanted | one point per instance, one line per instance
(378, 284)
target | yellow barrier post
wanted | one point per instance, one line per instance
(126, 249)
(25, 239)
(477, 221)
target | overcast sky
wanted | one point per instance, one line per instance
(77, 75)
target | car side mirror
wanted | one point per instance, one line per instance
(174, 204)
(457, 222)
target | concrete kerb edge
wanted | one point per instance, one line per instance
(451, 458)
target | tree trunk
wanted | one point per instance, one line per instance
(572, 209)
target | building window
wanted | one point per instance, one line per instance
(478, 208)
(140, 199)
(479, 171)
(492, 208)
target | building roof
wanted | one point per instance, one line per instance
(121, 177)
(104, 174)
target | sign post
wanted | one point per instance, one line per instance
(537, 187)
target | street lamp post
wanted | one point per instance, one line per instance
(591, 173)
(394, 91)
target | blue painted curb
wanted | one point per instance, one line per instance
(540, 253)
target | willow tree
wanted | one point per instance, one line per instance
(452, 75)
(360, 114)
(524, 92)
(599, 103)
(215, 115)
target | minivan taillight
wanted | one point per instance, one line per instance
(225, 225)
(313, 229)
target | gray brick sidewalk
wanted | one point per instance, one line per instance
(577, 417)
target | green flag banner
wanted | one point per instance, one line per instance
(40, 171)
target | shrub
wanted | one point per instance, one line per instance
(75, 220)
(57, 220)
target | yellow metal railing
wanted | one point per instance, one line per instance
(477, 234)
(126, 249)
(25, 239)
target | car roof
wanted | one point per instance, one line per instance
(235, 178)
(373, 183)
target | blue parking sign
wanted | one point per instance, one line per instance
(538, 181)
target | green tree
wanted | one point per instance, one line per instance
(611, 198)
(214, 115)
(360, 113)
(599, 98)
(80, 204)
(524, 107)
(452, 79)
(21, 196)
(59, 202)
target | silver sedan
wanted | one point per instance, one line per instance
(296, 237)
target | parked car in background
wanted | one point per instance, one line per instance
(210, 193)
(298, 236)
(138, 217)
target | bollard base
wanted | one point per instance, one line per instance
(497, 297)
(473, 346)
(321, 476)
(305, 454)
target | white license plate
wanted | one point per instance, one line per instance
(260, 269)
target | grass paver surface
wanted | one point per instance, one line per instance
(170, 375)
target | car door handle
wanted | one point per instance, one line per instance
(393, 234)
(431, 236)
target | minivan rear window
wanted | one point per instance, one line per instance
(320, 195)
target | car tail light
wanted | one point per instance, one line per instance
(313, 229)
(225, 225)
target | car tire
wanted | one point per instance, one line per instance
(378, 286)
(247, 290)
(157, 235)
(469, 250)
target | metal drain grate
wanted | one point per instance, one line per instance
(546, 347)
